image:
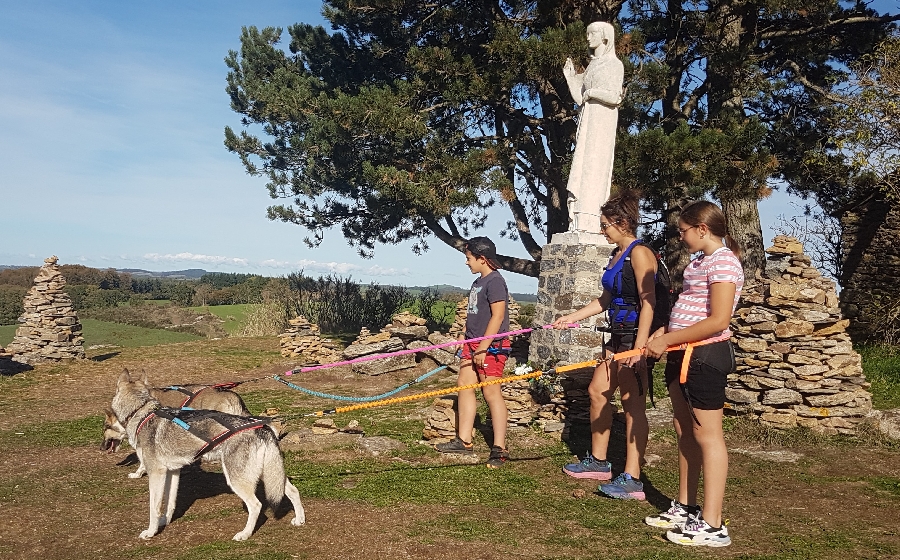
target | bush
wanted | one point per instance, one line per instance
(11, 308)
(341, 305)
(265, 319)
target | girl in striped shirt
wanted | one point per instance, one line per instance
(701, 316)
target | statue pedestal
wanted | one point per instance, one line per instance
(571, 267)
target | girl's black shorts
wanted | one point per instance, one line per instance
(707, 373)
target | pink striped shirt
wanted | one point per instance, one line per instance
(693, 303)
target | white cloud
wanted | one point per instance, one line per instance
(194, 258)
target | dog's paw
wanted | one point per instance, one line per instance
(242, 536)
(147, 534)
(298, 520)
(135, 474)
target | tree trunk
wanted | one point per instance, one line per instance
(744, 226)
(676, 254)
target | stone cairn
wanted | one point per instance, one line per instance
(796, 364)
(405, 331)
(303, 340)
(50, 331)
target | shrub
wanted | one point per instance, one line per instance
(341, 305)
(265, 319)
(11, 308)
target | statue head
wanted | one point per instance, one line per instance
(601, 37)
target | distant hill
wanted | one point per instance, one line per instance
(189, 274)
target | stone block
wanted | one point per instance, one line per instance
(384, 365)
(782, 396)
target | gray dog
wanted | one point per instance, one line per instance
(206, 397)
(167, 439)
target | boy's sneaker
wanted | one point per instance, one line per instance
(498, 458)
(697, 532)
(457, 446)
(672, 518)
(624, 487)
(589, 468)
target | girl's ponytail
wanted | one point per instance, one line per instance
(732, 245)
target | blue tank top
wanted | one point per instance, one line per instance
(619, 312)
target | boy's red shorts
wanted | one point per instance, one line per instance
(494, 359)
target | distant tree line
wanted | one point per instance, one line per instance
(337, 305)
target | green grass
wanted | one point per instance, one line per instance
(881, 365)
(234, 316)
(129, 336)
(117, 334)
(69, 433)
(374, 482)
(7, 332)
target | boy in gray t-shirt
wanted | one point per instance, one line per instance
(488, 314)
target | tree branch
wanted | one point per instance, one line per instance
(524, 228)
(512, 264)
(769, 35)
(805, 81)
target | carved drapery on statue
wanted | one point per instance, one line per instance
(598, 91)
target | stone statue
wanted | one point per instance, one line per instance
(598, 91)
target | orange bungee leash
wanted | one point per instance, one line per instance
(687, 347)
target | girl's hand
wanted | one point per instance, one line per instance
(633, 361)
(656, 346)
(563, 322)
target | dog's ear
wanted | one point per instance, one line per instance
(110, 417)
(144, 379)
(124, 377)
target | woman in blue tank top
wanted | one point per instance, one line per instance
(628, 297)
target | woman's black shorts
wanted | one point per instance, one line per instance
(707, 373)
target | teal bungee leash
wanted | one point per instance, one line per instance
(360, 399)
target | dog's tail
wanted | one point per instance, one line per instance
(273, 477)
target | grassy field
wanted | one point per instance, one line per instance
(881, 365)
(234, 316)
(114, 334)
(71, 501)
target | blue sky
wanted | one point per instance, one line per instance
(111, 148)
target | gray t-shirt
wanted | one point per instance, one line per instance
(485, 291)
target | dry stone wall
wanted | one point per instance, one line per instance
(303, 340)
(796, 363)
(50, 331)
(406, 331)
(871, 267)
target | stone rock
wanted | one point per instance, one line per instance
(384, 365)
(752, 344)
(439, 355)
(741, 395)
(785, 245)
(836, 399)
(838, 327)
(408, 334)
(358, 350)
(793, 328)
(782, 396)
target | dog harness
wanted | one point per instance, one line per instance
(233, 424)
(193, 395)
